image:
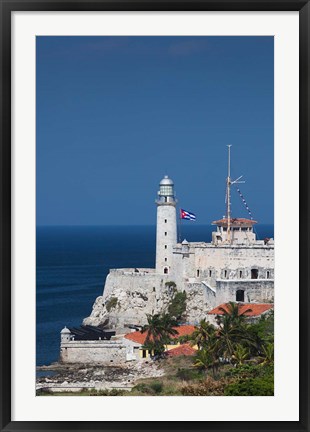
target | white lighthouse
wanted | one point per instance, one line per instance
(166, 233)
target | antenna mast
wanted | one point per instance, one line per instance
(228, 184)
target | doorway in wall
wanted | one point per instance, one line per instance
(240, 295)
(254, 273)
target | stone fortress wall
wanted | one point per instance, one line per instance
(205, 261)
(257, 291)
(236, 269)
(98, 351)
(209, 274)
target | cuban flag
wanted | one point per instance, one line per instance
(187, 215)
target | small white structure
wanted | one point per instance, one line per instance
(65, 335)
(241, 231)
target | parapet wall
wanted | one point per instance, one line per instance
(105, 352)
(129, 280)
(255, 290)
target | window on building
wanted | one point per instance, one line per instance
(224, 228)
(197, 273)
(225, 274)
(166, 270)
(165, 220)
(165, 246)
(240, 296)
(210, 273)
(240, 274)
(254, 273)
(165, 233)
(268, 274)
(165, 259)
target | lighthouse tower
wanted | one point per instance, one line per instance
(166, 234)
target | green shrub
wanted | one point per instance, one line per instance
(189, 374)
(151, 389)
(251, 387)
(106, 392)
(177, 306)
(143, 388)
(250, 371)
(111, 303)
(157, 387)
(116, 392)
(170, 284)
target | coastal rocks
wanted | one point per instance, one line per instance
(76, 377)
(128, 296)
(130, 308)
(98, 314)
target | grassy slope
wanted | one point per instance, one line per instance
(182, 379)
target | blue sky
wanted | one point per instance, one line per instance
(115, 114)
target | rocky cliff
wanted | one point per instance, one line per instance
(129, 295)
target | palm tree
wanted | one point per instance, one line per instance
(233, 314)
(160, 329)
(168, 329)
(204, 359)
(240, 354)
(232, 331)
(255, 341)
(202, 334)
(153, 327)
(228, 336)
(207, 358)
(267, 354)
(154, 333)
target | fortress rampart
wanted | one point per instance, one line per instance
(98, 351)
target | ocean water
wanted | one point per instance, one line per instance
(73, 262)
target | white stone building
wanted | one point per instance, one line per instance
(233, 267)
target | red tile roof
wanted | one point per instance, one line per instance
(234, 222)
(255, 309)
(139, 337)
(184, 349)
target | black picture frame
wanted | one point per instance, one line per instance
(9, 6)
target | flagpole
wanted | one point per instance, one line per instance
(180, 220)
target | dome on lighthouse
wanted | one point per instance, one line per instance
(166, 181)
(65, 330)
(166, 191)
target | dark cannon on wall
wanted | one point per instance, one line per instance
(91, 333)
